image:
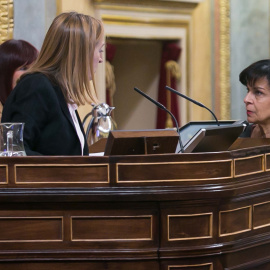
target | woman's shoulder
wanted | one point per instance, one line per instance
(37, 77)
(35, 85)
(35, 82)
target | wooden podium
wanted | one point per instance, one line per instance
(141, 142)
(197, 211)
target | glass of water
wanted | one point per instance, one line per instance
(11, 139)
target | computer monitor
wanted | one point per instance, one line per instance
(214, 139)
(190, 129)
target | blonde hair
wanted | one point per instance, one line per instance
(66, 56)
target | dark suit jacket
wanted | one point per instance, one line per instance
(49, 129)
(247, 132)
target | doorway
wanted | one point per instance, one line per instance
(136, 64)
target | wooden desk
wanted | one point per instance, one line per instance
(175, 212)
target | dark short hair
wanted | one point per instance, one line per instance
(13, 54)
(257, 70)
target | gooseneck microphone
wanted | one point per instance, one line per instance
(192, 100)
(166, 110)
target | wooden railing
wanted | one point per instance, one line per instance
(169, 211)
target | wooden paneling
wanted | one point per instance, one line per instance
(261, 215)
(192, 226)
(80, 265)
(180, 212)
(3, 174)
(208, 266)
(249, 165)
(235, 221)
(31, 229)
(267, 162)
(112, 228)
(173, 171)
(61, 173)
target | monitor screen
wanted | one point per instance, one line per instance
(214, 139)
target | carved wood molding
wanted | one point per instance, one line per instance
(6, 20)
(222, 59)
(225, 91)
(150, 3)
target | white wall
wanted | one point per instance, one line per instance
(32, 19)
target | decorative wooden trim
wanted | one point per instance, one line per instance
(265, 162)
(150, 238)
(222, 58)
(6, 167)
(144, 9)
(6, 20)
(210, 215)
(191, 266)
(249, 228)
(124, 20)
(263, 225)
(250, 173)
(187, 6)
(36, 218)
(62, 165)
(173, 163)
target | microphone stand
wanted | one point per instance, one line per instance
(166, 110)
(192, 100)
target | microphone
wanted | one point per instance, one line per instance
(166, 110)
(192, 100)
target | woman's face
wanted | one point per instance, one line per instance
(98, 55)
(257, 102)
(17, 74)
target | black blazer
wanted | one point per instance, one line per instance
(247, 132)
(49, 129)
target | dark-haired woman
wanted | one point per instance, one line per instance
(15, 58)
(256, 78)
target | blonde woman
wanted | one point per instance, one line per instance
(48, 94)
